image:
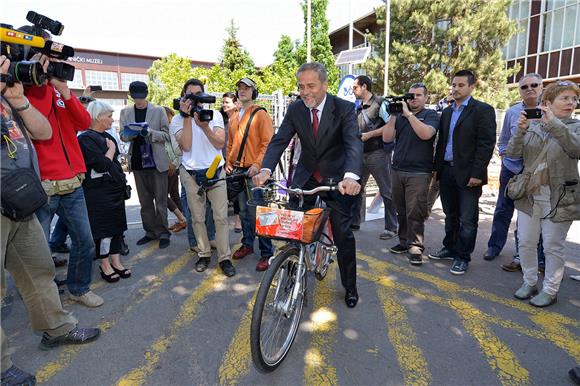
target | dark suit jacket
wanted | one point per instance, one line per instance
(338, 148)
(473, 141)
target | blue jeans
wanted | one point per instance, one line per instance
(59, 234)
(209, 223)
(72, 210)
(461, 208)
(248, 218)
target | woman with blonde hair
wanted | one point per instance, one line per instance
(104, 188)
(549, 201)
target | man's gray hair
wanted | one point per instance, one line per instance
(531, 75)
(314, 66)
(98, 108)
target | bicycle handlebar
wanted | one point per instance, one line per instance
(298, 191)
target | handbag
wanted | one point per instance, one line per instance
(236, 185)
(517, 185)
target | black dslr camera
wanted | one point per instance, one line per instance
(395, 103)
(21, 45)
(203, 114)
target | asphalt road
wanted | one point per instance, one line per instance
(169, 325)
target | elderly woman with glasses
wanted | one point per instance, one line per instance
(551, 147)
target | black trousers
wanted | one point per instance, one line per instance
(340, 221)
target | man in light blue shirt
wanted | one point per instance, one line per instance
(530, 86)
(457, 110)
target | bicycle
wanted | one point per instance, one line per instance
(280, 299)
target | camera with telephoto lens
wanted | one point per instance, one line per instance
(203, 114)
(395, 103)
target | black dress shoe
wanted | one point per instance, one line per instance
(75, 336)
(489, 256)
(227, 268)
(60, 249)
(144, 240)
(351, 298)
(59, 261)
(163, 243)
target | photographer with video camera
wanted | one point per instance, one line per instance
(62, 170)
(145, 126)
(24, 249)
(414, 129)
(201, 136)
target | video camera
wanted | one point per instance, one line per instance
(21, 45)
(203, 114)
(395, 103)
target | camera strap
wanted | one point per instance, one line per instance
(245, 137)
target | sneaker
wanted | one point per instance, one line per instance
(14, 376)
(512, 266)
(163, 243)
(76, 336)
(263, 264)
(144, 240)
(543, 299)
(459, 267)
(227, 268)
(398, 249)
(387, 235)
(443, 254)
(89, 299)
(60, 249)
(242, 252)
(201, 264)
(526, 291)
(415, 258)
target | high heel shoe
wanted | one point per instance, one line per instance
(124, 273)
(111, 278)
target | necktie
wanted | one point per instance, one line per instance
(315, 123)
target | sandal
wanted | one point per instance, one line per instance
(124, 273)
(110, 278)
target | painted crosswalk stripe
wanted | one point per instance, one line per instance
(68, 353)
(187, 314)
(324, 327)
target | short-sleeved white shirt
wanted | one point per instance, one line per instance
(202, 152)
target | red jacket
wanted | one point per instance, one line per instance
(60, 157)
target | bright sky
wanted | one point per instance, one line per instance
(195, 29)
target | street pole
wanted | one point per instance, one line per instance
(308, 28)
(350, 28)
(387, 35)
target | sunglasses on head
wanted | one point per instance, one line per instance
(532, 85)
(566, 83)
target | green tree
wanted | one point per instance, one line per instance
(321, 50)
(167, 76)
(234, 56)
(432, 39)
(281, 74)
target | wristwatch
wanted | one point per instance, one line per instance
(22, 108)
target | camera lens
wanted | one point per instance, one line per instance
(27, 72)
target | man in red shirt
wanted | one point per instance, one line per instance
(62, 169)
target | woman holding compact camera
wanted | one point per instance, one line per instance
(105, 191)
(547, 193)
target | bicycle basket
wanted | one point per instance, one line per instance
(279, 223)
(313, 224)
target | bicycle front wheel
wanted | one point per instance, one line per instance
(277, 311)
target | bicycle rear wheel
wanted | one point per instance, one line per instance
(276, 314)
(324, 257)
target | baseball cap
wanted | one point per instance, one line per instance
(248, 82)
(138, 90)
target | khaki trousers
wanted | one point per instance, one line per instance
(218, 197)
(25, 254)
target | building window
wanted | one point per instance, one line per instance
(106, 79)
(77, 82)
(560, 24)
(127, 78)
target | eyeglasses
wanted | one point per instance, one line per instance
(532, 85)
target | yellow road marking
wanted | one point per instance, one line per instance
(69, 352)
(401, 335)
(187, 313)
(238, 358)
(317, 370)
(560, 336)
(451, 287)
